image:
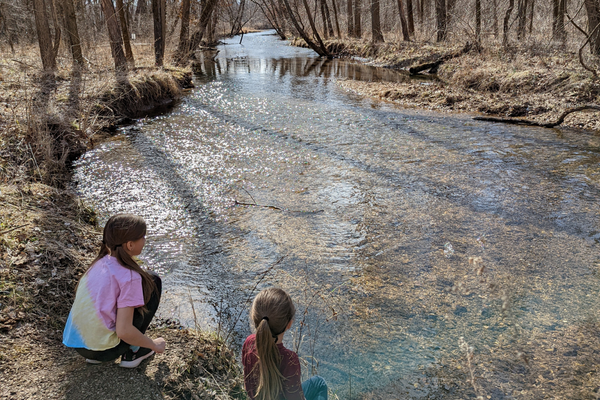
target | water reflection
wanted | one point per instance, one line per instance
(214, 65)
(368, 202)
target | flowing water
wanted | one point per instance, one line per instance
(380, 214)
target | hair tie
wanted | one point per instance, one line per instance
(267, 318)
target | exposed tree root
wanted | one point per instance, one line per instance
(519, 121)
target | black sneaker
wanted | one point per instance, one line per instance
(132, 360)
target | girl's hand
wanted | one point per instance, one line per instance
(159, 345)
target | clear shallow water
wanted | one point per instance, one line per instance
(370, 197)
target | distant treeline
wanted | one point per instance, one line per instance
(179, 27)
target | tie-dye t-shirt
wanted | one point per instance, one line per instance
(106, 286)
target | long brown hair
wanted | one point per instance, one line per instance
(120, 229)
(271, 312)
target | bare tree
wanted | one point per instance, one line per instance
(511, 5)
(198, 34)
(410, 17)
(335, 16)
(478, 20)
(403, 24)
(48, 44)
(67, 10)
(273, 13)
(593, 12)
(559, 9)
(441, 19)
(125, 33)
(357, 27)
(184, 33)
(350, 15)
(376, 22)
(114, 35)
(160, 29)
(318, 47)
(495, 17)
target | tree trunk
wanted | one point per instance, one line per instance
(440, 16)
(593, 12)
(273, 14)
(67, 10)
(158, 13)
(205, 16)
(142, 7)
(376, 22)
(322, 9)
(318, 48)
(410, 19)
(350, 16)
(403, 23)
(531, 16)
(335, 17)
(495, 17)
(57, 31)
(311, 21)
(44, 37)
(511, 6)
(357, 27)
(114, 35)
(328, 18)
(125, 33)
(184, 34)
(211, 28)
(522, 19)
(478, 20)
(559, 9)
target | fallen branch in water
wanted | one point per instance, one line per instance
(239, 203)
(518, 121)
(255, 204)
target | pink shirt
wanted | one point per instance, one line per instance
(106, 286)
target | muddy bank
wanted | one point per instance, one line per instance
(48, 238)
(530, 81)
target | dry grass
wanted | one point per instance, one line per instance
(533, 81)
(50, 121)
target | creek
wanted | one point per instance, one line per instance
(384, 216)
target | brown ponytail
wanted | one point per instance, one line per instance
(271, 312)
(120, 229)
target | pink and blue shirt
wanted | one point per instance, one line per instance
(104, 288)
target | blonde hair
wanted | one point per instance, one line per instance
(120, 229)
(272, 311)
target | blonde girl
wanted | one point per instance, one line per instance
(115, 300)
(272, 372)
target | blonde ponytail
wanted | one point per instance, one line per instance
(271, 313)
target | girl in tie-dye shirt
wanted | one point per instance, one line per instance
(116, 300)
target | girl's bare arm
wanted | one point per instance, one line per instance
(130, 334)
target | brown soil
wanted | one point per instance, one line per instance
(195, 366)
(529, 82)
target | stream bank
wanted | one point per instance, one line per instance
(531, 81)
(48, 237)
